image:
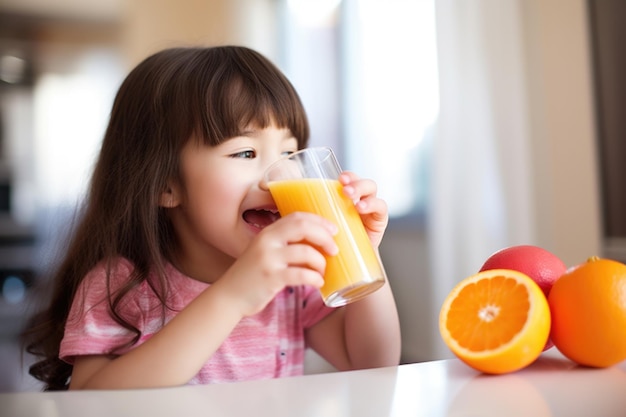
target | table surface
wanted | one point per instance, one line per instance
(552, 386)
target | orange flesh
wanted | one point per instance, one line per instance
(479, 319)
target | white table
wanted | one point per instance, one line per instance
(552, 386)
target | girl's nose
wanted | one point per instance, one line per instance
(263, 184)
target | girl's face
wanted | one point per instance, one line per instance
(219, 204)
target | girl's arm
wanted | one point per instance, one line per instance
(276, 258)
(172, 356)
(366, 333)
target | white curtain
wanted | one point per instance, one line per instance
(481, 184)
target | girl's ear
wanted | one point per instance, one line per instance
(170, 198)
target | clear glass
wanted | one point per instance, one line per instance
(308, 181)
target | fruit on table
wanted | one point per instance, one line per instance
(496, 321)
(588, 307)
(541, 265)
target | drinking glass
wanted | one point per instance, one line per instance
(308, 180)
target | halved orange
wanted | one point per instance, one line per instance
(496, 321)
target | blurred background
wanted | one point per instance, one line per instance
(486, 123)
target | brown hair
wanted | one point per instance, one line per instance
(209, 93)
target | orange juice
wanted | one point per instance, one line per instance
(356, 268)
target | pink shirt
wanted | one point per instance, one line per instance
(269, 344)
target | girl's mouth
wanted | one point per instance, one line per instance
(260, 218)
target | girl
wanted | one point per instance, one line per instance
(180, 271)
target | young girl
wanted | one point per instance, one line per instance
(180, 270)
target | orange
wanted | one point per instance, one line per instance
(588, 306)
(496, 321)
(541, 265)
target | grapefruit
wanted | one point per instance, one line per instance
(541, 265)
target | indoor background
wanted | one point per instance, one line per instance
(486, 123)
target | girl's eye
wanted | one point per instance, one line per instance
(287, 153)
(249, 154)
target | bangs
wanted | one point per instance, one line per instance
(247, 89)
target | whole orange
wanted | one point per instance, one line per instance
(588, 308)
(541, 265)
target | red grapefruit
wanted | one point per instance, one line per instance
(541, 265)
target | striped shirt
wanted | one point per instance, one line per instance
(269, 344)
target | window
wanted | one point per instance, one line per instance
(367, 73)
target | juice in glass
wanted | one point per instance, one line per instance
(356, 270)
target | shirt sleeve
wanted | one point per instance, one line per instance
(314, 309)
(90, 329)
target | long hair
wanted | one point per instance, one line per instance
(173, 95)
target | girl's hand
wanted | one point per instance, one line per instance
(372, 209)
(289, 252)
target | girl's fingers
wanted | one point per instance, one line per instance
(304, 227)
(357, 188)
(363, 193)
(347, 177)
(375, 207)
(373, 210)
(305, 256)
(303, 276)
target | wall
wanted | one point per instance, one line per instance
(148, 26)
(563, 127)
